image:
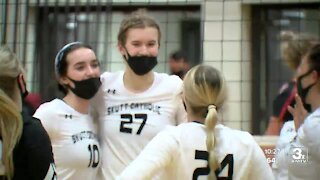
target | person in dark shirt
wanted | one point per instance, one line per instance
(26, 147)
(178, 63)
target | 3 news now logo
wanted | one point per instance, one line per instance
(299, 154)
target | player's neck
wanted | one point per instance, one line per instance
(78, 104)
(136, 83)
(192, 117)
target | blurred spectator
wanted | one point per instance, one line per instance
(178, 64)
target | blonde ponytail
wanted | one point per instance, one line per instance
(210, 122)
(204, 93)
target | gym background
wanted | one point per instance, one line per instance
(239, 37)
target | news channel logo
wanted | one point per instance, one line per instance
(299, 154)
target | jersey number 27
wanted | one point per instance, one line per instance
(127, 119)
(204, 155)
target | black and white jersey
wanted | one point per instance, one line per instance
(130, 120)
(74, 140)
(182, 153)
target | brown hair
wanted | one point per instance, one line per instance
(61, 63)
(138, 19)
(313, 57)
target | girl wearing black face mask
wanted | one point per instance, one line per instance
(71, 128)
(136, 103)
(293, 46)
(301, 155)
(26, 151)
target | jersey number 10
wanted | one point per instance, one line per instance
(94, 155)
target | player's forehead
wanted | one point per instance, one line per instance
(147, 34)
(81, 56)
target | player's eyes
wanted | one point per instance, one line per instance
(79, 68)
(95, 64)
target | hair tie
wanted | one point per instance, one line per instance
(211, 106)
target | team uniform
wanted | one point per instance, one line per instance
(130, 120)
(74, 140)
(287, 134)
(182, 152)
(32, 156)
(302, 155)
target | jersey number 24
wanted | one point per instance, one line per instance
(204, 155)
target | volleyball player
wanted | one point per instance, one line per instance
(301, 156)
(26, 151)
(71, 128)
(201, 148)
(135, 104)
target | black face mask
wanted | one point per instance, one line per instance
(141, 65)
(25, 93)
(86, 89)
(303, 92)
